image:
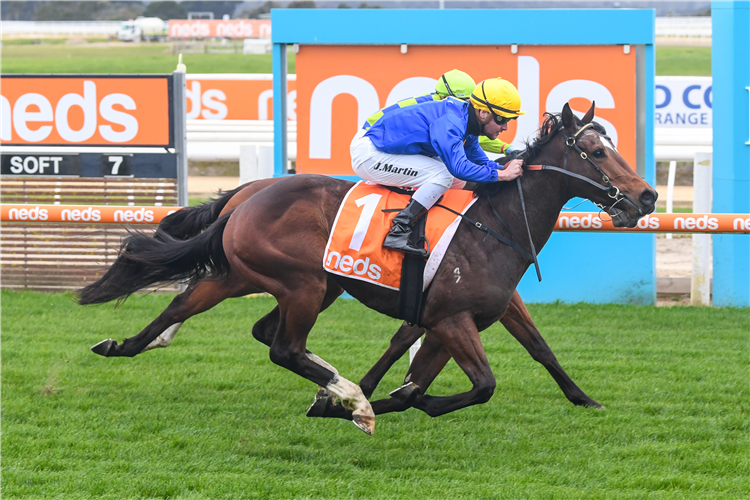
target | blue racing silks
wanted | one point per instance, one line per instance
(433, 128)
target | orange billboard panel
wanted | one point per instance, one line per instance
(235, 97)
(91, 111)
(217, 28)
(338, 87)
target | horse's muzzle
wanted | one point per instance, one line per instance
(630, 210)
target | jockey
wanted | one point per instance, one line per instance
(433, 145)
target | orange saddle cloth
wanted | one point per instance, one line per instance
(355, 247)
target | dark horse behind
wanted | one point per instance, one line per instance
(275, 242)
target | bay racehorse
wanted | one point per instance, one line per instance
(206, 293)
(276, 239)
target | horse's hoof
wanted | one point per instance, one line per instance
(318, 408)
(406, 392)
(366, 423)
(104, 347)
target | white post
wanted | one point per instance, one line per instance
(248, 163)
(413, 350)
(256, 162)
(265, 162)
(180, 130)
(670, 190)
(700, 284)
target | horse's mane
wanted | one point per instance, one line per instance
(551, 125)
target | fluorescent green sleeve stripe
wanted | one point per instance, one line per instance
(407, 102)
(496, 146)
(375, 117)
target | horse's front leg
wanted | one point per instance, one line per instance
(160, 332)
(400, 343)
(518, 322)
(298, 310)
(460, 338)
(428, 363)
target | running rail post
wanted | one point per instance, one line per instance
(279, 108)
(179, 111)
(700, 282)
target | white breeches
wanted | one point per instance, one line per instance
(429, 175)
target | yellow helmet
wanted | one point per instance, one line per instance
(499, 97)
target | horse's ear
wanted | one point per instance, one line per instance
(589, 114)
(569, 119)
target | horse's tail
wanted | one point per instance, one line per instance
(145, 261)
(189, 222)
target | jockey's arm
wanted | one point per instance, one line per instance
(446, 137)
(495, 146)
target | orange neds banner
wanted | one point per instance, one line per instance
(235, 97)
(84, 213)
(232, 28)
(568, 221)
(339, 87)
(659, 223)
(83, 110)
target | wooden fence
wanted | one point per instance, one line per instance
(60, 256)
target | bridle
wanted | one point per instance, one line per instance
(570, 142)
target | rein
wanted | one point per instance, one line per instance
(570, 142)
(511, 242)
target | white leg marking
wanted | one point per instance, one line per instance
(165, 338)
(316, 359)
(350, 394)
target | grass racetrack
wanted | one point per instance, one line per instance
(158, 58)
(211, 417)
(126, 58)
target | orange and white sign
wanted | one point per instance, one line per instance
(339, 87)
(569, 221)
(659, 223)
(232, 28)
(91, 111)
(355, 247)
(84, 213)
(236, 97)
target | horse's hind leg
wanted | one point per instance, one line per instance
(160, 332)
(518, 322)
(265, 328)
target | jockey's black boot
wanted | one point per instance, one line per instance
(403, 223)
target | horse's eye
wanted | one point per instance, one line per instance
(599, 153)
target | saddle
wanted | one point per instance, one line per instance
(355, 250)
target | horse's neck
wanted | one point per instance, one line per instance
(544, 196)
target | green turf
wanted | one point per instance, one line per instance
(683, 61)
(158, 58)
(126, 58)
(212, 418)
(661, 210)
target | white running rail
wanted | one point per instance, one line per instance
(683, 26)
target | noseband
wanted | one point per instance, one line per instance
(570, 142)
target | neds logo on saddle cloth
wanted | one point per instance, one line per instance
(355, 247)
